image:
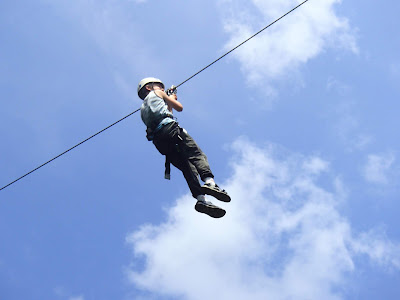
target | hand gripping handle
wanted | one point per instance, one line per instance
(172, 90)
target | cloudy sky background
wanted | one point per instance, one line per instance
(300, 125)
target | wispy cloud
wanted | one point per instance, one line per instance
(62, 292)
(394, 69)
(378, 167)
(348, 125)
(377, 246)
(290, 43)
(77, 298)
(280, 224)
(112, 26)
(336, 85)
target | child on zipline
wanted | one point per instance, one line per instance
(177, 145)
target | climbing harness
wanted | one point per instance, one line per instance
(173, 89)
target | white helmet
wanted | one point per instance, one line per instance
(147, 80)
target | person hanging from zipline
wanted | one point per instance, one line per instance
(177, 145)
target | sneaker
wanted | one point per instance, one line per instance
(210, 209)
(216, 192)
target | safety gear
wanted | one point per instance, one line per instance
(147, 80)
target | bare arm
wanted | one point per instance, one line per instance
(172, 100)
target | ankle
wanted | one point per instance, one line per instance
(209, 180)
(201, 198)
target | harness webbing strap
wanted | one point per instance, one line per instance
(167, 174)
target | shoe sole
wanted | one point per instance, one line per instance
(212, 211)
(224, 197)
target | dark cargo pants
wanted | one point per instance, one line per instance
(183, 152)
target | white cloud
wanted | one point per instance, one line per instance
(378, 167)
(315, 165)
(377, 246)
(284, 47)
(283, 236)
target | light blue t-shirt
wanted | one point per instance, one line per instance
(154, 112)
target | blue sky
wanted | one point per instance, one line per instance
(300, 125)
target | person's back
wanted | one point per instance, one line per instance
(154, 110)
